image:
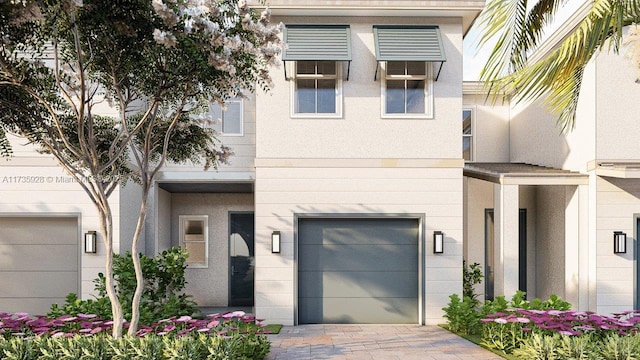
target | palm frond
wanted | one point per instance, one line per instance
(558, 76)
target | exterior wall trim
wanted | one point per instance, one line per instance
(421, 251)
(359, 163)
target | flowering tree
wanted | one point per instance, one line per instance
(159, 63)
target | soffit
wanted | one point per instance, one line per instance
(206, 187)
(619, 169)
(467, 10)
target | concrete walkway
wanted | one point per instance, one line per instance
(384, 342)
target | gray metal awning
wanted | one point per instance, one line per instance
(317, 42)
(523, 174)
(408, 43)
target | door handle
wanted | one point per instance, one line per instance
(233, 270)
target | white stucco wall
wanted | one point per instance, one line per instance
(617, 108)
(535, 138)
(49, 191)
(550, 238)
(478, 197)
(241, 164)
(361, 132)
(282, 193)
(490, 128)
(209, 286)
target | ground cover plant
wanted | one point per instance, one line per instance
(537, 329)
(232, 335)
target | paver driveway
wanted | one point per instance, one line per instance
(384, 342)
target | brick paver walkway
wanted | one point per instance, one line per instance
(372, 342)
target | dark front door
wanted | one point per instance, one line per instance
(489, 257)
(241, 262)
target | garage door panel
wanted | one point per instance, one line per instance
(357, 284)
(358, 270)
(38, 257)
(37, 284)
(38, 262)
(362, 231)
(33, 306)
(358, 311)
(386, 257)
(26, 230)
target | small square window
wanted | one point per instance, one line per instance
(194, 238)
(228, 121)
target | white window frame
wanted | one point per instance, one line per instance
(338, 92)
(472, 136)
(428, 93)
(181, 229)
(220, 127)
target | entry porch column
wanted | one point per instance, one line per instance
(506, 239)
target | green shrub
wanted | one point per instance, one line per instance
(471, 276)
(540, 347)
(162, 297)
(519, 301)
(462, 316)
(151, 347)
(505, 337)
(578, 347)
(615, 347)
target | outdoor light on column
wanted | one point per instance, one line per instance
(619, 242)
(90, 242)
(275, 242)
(438, 242)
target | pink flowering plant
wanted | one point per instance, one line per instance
(230, 335)
(507, 331)
(24, 325)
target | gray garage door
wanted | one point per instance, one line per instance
(360, 271)
(38, 262)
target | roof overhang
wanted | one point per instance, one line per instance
(523, 174)
(467, 10)
(207, 186)
(618, 169)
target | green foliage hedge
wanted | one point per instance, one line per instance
(163, 295)
(151, 347)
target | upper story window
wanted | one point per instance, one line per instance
(467, 134)
(317, 89)
(408, 52)
(229, 120)
(406, 89)
(317, 53)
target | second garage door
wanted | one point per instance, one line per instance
(38, 262)
(359, 271)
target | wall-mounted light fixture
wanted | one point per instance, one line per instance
(619, 242)
(275, 242)
(438, 242)
(90, 242)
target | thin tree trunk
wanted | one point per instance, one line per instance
(137, 295)
(106, 223)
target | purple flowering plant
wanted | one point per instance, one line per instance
(225, 324)
(508, 330)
